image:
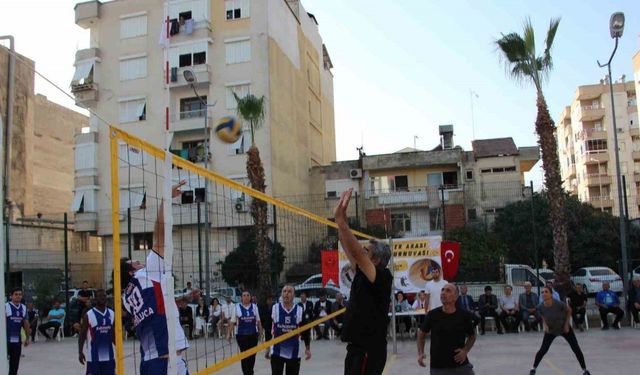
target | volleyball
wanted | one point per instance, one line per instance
(228, 129)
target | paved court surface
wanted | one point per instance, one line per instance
(607, 353)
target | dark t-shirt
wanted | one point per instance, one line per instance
(576, 299)
(448, 333)
(555, 316)
(84, 293)
(365, 321)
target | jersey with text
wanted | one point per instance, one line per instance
(15, 316)
(286, 321)
(100, 338)
(144, 300)
(247, 319)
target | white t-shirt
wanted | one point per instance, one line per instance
(433, 289)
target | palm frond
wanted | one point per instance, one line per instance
(251, 108)
(551, 34)
(512, 47)
(529, 39)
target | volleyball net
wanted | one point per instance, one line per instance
(211, 243)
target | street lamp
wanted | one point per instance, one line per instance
(616, 27)
(191, 79)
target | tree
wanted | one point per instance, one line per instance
(481, 253)
(251, 109)
(523, 64)
(593, 237)
(241, 266)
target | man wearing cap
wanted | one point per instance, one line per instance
(366, 319)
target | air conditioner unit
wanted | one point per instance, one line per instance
(241, 206)
(355, 173)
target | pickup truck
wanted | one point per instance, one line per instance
(515, 275)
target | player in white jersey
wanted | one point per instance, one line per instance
(96, 330)
(143, 299)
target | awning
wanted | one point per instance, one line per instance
(78, 200)
(83, 71)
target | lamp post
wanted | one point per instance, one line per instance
(616, 27)
(190, 77)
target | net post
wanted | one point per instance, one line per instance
(117, 292)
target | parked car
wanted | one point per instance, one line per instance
(312, 286)
(592, 278)
(547, 274)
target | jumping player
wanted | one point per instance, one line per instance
(97, 323)
(143, 299)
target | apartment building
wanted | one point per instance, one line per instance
(133, 73)
(587, 150)
(413, 193)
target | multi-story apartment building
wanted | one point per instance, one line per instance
(416, 193)
(586, 146)
(133, 73)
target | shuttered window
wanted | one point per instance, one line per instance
(238, 51)
(133, 26)
(133, 68)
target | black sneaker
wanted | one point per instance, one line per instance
(604, 328)
(532, 372)
(616, 326)
(586, 372)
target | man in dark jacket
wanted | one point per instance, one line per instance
(321, 309)
(487, 304)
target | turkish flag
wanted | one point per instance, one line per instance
(449, 256)
(330, 267)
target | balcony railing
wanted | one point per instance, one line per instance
(192, 114)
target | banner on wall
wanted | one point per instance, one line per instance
(414, 260)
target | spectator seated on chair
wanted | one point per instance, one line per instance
(228, 314)
(528, 302)
(215, 314)
(509, 310)
(608, 302)
(202, 317)
(465, 302)
(634, 299)
(186, 315)
(578, 303)
(336, 323)
(487, 305)
(321, 309)
(402, 305)
(55, 318)
(33, 315)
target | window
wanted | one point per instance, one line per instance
(195, 150)
(596, 145)
(199, 58)
(472, 214)
(241, 90)
(78, 202)
(450, 179)
(435, 219)
(133, 68)
(237, 195)
(185, 15)
(184, 60)
(401, 222)
(133, 110)
(242, 144)
(83, 74)
(133, 25)
(131, 197)
(469, 175)
(401, 183)
(193, 107)
(142, 241)
(238, 51)
(332, 194)
(520, 275)
(434, 179)
(235, 9)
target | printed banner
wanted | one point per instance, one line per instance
(330, 267)
(414, 260)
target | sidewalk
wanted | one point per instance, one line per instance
(606, 352)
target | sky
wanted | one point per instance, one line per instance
(401, 68)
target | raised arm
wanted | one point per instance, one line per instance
(158, 229)
(350, 244)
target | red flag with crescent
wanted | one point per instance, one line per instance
(449, 256)
(330, 261)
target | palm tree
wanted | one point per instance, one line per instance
(251, 109)
(518, 53)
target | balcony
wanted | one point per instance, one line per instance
(190, 120)
(636, 177)
(634, 131)
(596, 179)
(598, 156)
(403, 198)
(603, 201)
(176, 75)
(87, 13)
(592, 133)
(636, 155)
(591, 113)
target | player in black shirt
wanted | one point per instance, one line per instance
(452, 336)
(365, 321)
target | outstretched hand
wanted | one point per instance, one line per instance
(343, 204)
(175, 189)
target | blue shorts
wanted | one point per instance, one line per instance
(160, 366)
(101, 368)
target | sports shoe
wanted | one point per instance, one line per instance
(532, 372)
(586, 372)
